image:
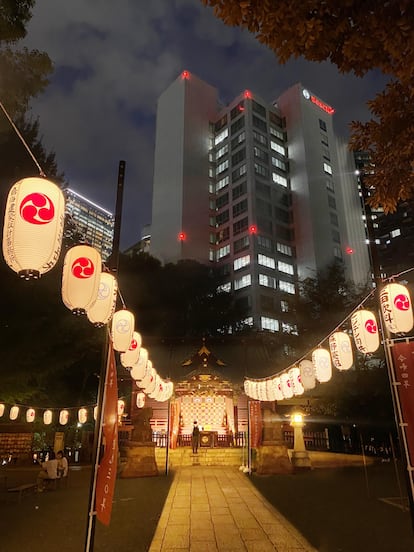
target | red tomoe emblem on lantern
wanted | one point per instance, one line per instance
(133, 345)
(402, 302)
(83, 268)
(37, 208)
(371, 326)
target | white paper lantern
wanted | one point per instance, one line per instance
(139, 369)
(278, 388)
(140, 399)
(247, 386)
(323, 365)
(121, 407)
(102, 310)
(82, 415)
(157, 389)
(30, 415)
(341, 350)
(396, 308)
(131, 356)
(261, 390)
(295, 380)
(270, 390)
(123, 323)
(149, 377)
(14, 412)
(307, 374)
(47, 417)
(2, 408)
(33, 226)
(166, 391)
(365, 331)
(81, 278)
(286, 386)
(63, 417)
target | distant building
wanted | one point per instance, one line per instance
(143, 246)
(94, 222)
(264, 191)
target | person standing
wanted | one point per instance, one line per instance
(195, 437)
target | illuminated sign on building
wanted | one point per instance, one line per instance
(322, 105)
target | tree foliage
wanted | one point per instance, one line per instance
(357, 37)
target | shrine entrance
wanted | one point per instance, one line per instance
(207, 397)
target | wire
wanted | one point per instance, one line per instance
(41, 172)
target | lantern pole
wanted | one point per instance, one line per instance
(113, 263)
(386, 338)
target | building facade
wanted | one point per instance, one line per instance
(264, 191)
(95, 223)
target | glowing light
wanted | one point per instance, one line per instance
(325, 107)
(253, 229)
(349, 250)
(185, 75)
(248, 95)
(182, 236)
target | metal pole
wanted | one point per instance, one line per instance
(113, 265)
(365, 463)
(168, 438)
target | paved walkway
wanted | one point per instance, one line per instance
(218, 509)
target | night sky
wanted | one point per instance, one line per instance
(113, 59)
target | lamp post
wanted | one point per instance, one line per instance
(300, 456)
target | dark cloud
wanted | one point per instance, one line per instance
(112, 61)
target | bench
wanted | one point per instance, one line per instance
(22, 489)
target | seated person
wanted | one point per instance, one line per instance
(62, 469)
(48, 471)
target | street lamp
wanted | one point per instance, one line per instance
(300, 456)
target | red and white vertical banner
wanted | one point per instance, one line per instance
(105, 482)
(403, 359)
(256, 424)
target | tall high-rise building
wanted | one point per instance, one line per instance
(262, 190)
(95, 223)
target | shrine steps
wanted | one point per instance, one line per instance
(183, 456)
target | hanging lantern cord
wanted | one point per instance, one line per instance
(16, 130)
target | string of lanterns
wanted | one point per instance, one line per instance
(32, 240)
(397, 313)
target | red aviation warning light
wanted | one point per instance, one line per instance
(349, 250)
(182, 236)
(253, 229)
(248, 95)
(185, 75)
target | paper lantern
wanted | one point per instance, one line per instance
(82, 415)
(294, 375)
(323, 365)
(166, 391)
(286, 386)
(33, 226)
(47, 417)
(14, 412)
(154, 391)
(95, 412)
(102, 310)
(63, 417)
(140, 399)
(278, 388)
(123, 323)
(131, 356)
(30, 415)
(81, 278)
(148, 379)
(396, 308)
(270, 390)
(121, 407)
(365, 331)
(2, 408)
(139, 369)
(307, 374)
(341, 350)
(247, 386)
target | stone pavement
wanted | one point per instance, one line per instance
(218, 509)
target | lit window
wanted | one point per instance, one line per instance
(327, 168)
(289, 328)
(284, 267)
(222, 136)
(223, 251)
(277, 147)
(269, 324)
(248, 321)
(276, 162)
(222, 183)
(288, 287)
(222, 151)
(241, 262)
(276, 133)
(225, 287)
(243, 282)
(267, 281)
(282, 248)
(222, 167)
(266, 261)
(396, 233)
(284, 306)
(278, 179)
